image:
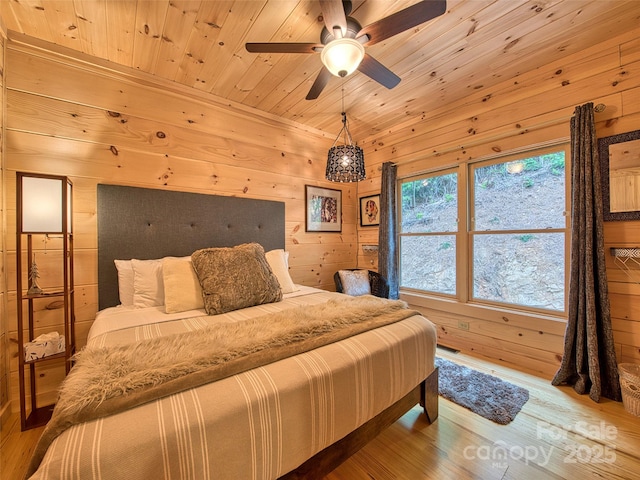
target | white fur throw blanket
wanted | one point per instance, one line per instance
(108, 380)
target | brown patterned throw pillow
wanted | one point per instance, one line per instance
(235, 277)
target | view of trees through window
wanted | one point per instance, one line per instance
(515, 232)
(428, 233)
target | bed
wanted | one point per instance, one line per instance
(287, 387)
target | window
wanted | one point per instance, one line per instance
(510, 245)
(429, 226)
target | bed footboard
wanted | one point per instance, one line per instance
(318, 466)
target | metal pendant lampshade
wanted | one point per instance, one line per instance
(345, 163)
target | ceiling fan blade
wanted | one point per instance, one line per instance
(333, 14)
(378, 72)
(406, 19)
(321, 81)
(282, 47)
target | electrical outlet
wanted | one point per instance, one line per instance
(463, 325)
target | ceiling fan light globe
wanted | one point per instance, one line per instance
(342, 56)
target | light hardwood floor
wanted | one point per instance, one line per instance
(557, 435)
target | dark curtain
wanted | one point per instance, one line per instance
(387, 248)
(589, 361)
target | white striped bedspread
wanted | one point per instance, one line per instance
(259, 424)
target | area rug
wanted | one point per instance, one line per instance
(481, 393)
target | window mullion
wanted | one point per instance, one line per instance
(463, 253)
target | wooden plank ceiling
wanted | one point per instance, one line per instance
(200, 43)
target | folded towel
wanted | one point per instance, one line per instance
(43, 346)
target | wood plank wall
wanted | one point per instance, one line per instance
(100, 124)
(531, 109)
(5, 409)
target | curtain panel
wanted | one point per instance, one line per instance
(387, 247)
(589, 361)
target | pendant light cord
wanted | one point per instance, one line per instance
(347, 140)
(344, 114)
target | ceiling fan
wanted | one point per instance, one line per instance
(342, 41)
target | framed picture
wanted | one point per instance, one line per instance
(323, 209)
(370, 211)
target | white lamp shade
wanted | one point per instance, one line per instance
(42, 205)
(342, 56)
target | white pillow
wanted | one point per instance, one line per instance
(355, 282)
(148, 286)
(125, 281)
(182, 290)
(278, 260)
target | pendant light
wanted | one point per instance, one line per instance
(345, 163)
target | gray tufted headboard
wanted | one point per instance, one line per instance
(146, 223)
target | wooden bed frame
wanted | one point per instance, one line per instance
(146, 223)
(331, 457)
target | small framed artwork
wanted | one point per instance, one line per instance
(370, 211)
(323, 209)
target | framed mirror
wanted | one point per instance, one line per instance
(620, 173)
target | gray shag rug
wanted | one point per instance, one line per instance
(481, 393)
